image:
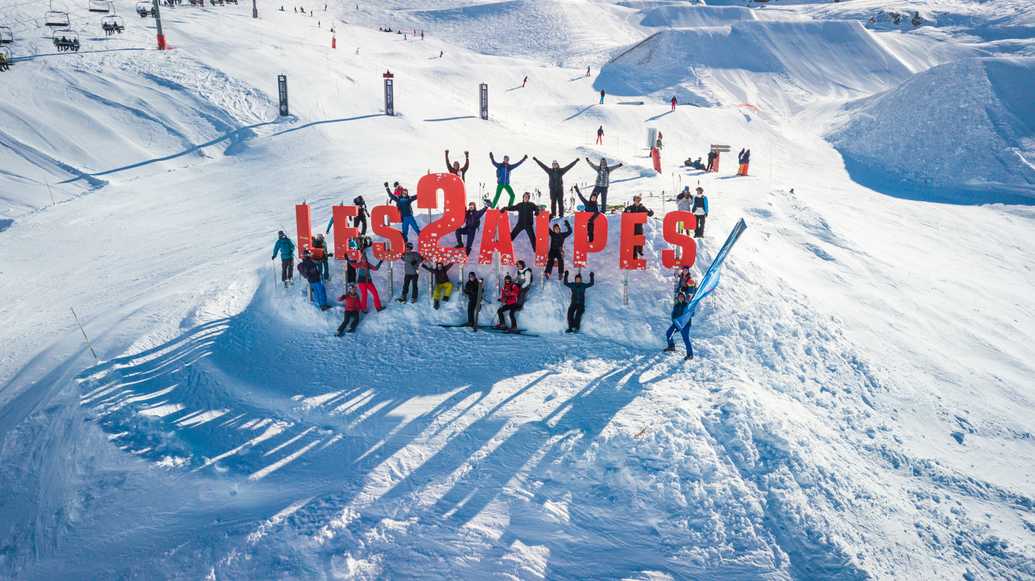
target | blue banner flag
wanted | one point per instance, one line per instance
(711, 277)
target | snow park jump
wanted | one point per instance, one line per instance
(756, 304)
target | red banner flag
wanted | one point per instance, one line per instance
(304, 227)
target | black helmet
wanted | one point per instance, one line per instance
(358, 201)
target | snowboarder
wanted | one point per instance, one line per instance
(527, 210)
(503, 171)
(319, 252)
(286, 248)
(411, 264)
(352, 307)
(577, 306)
(443, 286)
(404, 202)
(600, 135)
(673, 101)
(700, 209)
(556, 175)
(472, 221)
(311, 271)
(524, 281)
(603, 180)
(474, 290)
(602, 95)
(509, 296)
(743, 159)
(637, 207)
(455, 168)
(590, 205)
(678, 309)
(556, 253)
(365, 281)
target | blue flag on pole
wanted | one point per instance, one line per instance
(711, 276)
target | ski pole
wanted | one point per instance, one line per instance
(83, 331)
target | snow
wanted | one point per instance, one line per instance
(859, 406)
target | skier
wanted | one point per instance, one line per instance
(684, 203)
(503, 171)
(743, 158)
(319, 252)
(556, 175)
(404, 202)
(524, 281)
(365, 281)
(700, 209)
(352, 307)
(286, 248)
(455, 169)
(527, 211)
(472, 221)
(311, 271)
(556, 253)
(577, 306)
(603, 180)
(677, 311)
(443, 286)
(474, 289)
(602, 95)
(411, 263)
(673, 101)
(509, 296)
(590, 205)
(587, 72)
(600, 135)
(637, 207)
(524, 82)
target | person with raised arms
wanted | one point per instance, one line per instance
(556, 175)
(503, 171)
(577, 305)
(603, 181)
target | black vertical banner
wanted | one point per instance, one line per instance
(282, 91)
(483, 92)
(389, 93)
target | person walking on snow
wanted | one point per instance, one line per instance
(602, 95)
(577, 306)
(590, 205)
(404, 202)
(352, 307)
(637, 207)
(674, 102)
(743, 158)
(474, 290)
(311, 271)
(503, 171)
(411, 265)
(524, 282)
(472, 221)
(365, 281)
(700, 209)
(678, 309)
(509, 296)
(455, 169)
(319, 252)
(524, 82)
(286, 248)
(527, 211)
(556, 174)
(556, 253)
(603, 180)
(587, 72)
(600, 135)
(443, 286)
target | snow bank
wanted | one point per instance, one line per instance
(980, 137)
(681, 16)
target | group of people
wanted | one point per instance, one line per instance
(696, 204)
(65, 44)
(111, 28)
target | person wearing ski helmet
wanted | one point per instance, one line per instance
(286, 248)
(309, 269)
(678, 310)
(509, 296)
(353, 305)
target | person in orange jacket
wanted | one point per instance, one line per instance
(509, 297)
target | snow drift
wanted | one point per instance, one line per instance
(681, 16)
(980, 140)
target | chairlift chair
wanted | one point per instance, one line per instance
(56, 19)
(100, 6)
(113, 22)
(144, 9)
(6, 35)
(66, 40)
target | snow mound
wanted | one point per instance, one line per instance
(680, 16)
(789, 60)
(980, 140)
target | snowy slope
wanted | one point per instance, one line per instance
(854, 410)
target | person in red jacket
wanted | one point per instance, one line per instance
(509, 296)
(674, 101)
(352, 307)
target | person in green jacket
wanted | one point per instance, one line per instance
(286, 248)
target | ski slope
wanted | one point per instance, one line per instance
(860, 402)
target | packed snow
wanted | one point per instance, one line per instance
(859, 406)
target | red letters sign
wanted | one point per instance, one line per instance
(452, 216)
(542, 238)
(496, 238)
(582, 246)
(687, 245)
(380, 218)
(343, 233)
(630, 240)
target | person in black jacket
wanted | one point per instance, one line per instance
(577, 306)
(556, 253)
(360, 221)
(556, 174)
(637, 207)
(472, 221)
(309, 269)
(443, 286)
(526, 215)
(456, 169)
(590, 205)
(474, 290)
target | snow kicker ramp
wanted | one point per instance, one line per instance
(963, 131)
(681, 16)
(774, 63)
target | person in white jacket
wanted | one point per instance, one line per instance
(524, 281)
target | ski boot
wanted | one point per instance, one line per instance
(435, 305)
(669, 349)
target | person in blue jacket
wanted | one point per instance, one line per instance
(286, 248)
(678, 309)
(503, 171)
(699, 207)
(404, 201)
